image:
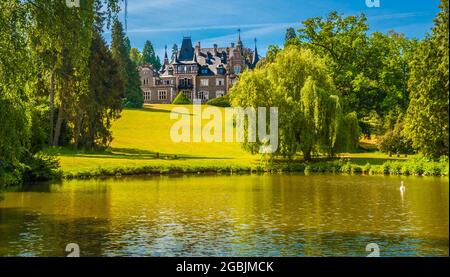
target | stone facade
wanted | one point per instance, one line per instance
(199, 73)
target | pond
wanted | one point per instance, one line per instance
(248, 215)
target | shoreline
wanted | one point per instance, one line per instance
(390, 168)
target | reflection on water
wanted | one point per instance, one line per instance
(268, 215)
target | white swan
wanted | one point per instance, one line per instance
(402, 187)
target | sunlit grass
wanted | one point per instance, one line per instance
(142, 139)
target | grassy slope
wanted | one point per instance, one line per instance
(140, 134)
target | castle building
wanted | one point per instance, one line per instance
(199, 73)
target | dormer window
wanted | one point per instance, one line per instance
(204, 71)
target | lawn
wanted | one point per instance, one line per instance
(142, 139)
(140, 135)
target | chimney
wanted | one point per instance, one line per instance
(197, 48)
(232, 45)
(215, 49)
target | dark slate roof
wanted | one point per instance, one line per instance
(213, 59)
(186, 52)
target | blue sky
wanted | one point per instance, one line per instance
(165, 22)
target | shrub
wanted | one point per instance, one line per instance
(394, 142)
(181, 99)
(42, 167)
(395, 168)
(356, 169)
(385, 168)
(223, 101)
(346, 168)
(366, 168)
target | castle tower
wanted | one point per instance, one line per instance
(186, 52)
(166, 57)
(255, 55)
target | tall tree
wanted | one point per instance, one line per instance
(174, 51)
(136, 56)
(426, 123)
(149, 56)
(44, 69)
(310, 115)
(370, 71)
(129, 72)
(105, 87)
(14, 113)
(290, 37)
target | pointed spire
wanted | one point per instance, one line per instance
(166, 57)
(239, 42)
(255, 55)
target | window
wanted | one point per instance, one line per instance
(204, 82)
(147, 95)
(203, 95)
(162, 95)
(220, 82)
(237, 70)
(220, 93)
(204, 70)
(220, 71)
(188, 94)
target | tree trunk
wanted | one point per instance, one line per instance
(52, 108)
(59, 123)
(307, 155)
(78, 128)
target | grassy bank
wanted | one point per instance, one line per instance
(142, 145)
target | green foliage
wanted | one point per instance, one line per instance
(14, 137)
(370, 71)
(149, 56)
(94, 119)
(394, 142)
(174, 52)
(42, 167)
(272, 52)
(181, 99)
(426, 123)
(128, 70)
(290, 37)
(44, 59)
(223, 101)
(136, 57)
(310, 117)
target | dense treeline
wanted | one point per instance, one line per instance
(393, 87)
(60, 82)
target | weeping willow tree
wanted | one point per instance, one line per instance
(311, 120)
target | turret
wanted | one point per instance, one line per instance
(255, 56)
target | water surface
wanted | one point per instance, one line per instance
(257, 215)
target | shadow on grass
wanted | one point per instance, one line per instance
(129, 154)
(154, 110)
